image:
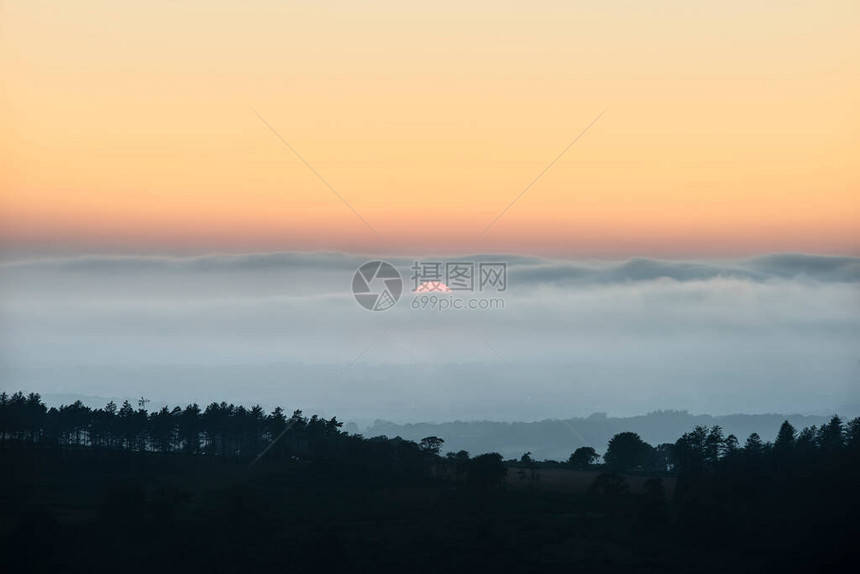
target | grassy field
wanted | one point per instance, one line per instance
(59, 509)
(574, 481)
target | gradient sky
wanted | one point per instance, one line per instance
(732, 127)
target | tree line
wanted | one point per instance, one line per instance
(230, 431)
(706, 497)
(227, 431)
(219, 429)
(704, 449)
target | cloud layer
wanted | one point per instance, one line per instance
(772, 333)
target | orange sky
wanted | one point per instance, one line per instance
(731, 128)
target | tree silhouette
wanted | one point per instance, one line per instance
(785, 443)
(852, 436)
(754, 448)
(529, 469)
(830, 436)
(431, 444)
(697, 450)
(486, 471)
(583, 457)
(458, 463)
(785, 438)
(626, 451)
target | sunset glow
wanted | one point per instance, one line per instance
(129, 127)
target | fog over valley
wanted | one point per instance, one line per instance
(771, 334)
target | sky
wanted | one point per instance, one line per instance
(731, 128)
(188, 187)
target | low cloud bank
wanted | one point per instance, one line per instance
(770, 333)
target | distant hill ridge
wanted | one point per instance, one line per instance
(554, 439)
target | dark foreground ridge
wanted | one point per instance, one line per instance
(97, 490)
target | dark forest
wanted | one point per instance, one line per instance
(225, 488)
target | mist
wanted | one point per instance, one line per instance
(777, 333)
